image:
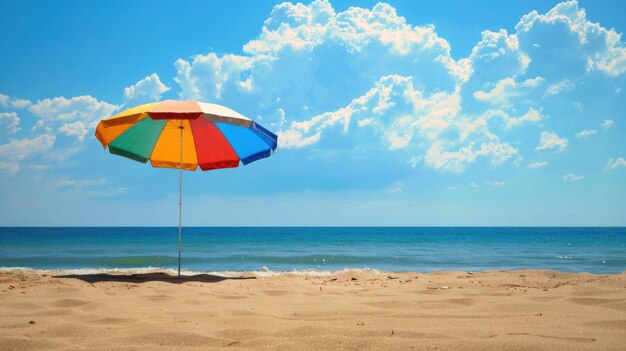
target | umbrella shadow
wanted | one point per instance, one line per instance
(149, 277)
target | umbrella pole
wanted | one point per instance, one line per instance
(180, 198)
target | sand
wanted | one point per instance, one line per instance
(352, 310)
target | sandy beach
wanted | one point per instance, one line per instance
(350, 310)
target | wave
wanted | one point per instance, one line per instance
(262, 272)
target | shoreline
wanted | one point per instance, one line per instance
(522, 309)
(266, 272)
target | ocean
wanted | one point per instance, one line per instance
(319, 249)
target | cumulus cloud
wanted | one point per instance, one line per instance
(393, 108)
(549, 141)
(9, 123)
(614, 164)
(146, 90)
(497, 55)
(571, 178)
(559, 87)
(298, 26)
(396, 113)
(607, 124)
(8, 102)
(457, 160)
(310, 59)
(532, 116)
(77, 129)
(18, 149)
(507, 89)
(73, 117)
(547, 54)
(583, 45)
(584, 134)
(205, 77)
(62, 109)
(538, 164)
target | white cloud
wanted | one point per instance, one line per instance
(507, 89)
(301, 27)
(19, 149)
(401, 117)
(39, 167)
(538, 164)
(614, 164)
(61, 109)
(312, 56)
(75, 116)
(146, 90)
(495, 184)
(206, 76)
(393, 108)
(77, 129)
(7, 101)
(559, 87)
(415, 160)
(497, 55)
(396, 187)
(9, 123)
(9, 167)
(607, 124)
(90, 186)
(584, 134)
(578, 106)
(530, 117)
(571, 178)
(108, 192)
(549, 140)
(296, 139)
(81, 183)
(587, 45)
(456, 161)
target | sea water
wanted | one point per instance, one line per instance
(279, 249)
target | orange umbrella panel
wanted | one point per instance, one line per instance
(167, 150)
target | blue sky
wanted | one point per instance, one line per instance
(398, 113)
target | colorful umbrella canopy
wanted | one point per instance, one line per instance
(185, 135)
(208, 135)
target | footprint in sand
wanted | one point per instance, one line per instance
(610, 324)
(159, 298)
(114, 321)
(69, 303)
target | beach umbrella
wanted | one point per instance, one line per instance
(185, 135)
